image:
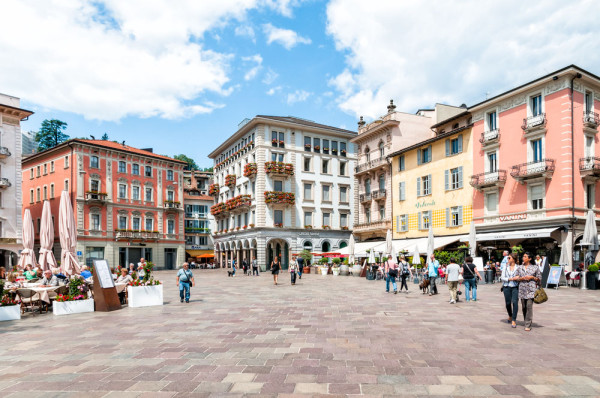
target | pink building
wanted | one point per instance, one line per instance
(534, 165)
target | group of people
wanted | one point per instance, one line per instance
(295, 269)
(245, 267)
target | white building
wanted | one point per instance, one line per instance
(11, 219)
(282, 184)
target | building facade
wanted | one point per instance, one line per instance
(430, 187)
(199, 223)
(127, 201)
(282, 184)
(534, 163)
(30, 146)
(373, 176)
(11, 218)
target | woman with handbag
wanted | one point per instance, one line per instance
(275, 266)
(405, 272)
(529, 276)
(293, 270)
(391, 270)
(510, 288)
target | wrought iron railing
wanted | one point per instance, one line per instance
(490, 136)
(532, 168)
(4, 183)
(378, 194)
(4, 152)
(370, 164)
(488, 179)
(147, 235)
(534, 121)
(364, 197)
(591, 118)
(590, 163)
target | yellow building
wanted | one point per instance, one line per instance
(430, 182)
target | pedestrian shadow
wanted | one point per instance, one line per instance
(522, 324)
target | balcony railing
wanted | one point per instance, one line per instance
(370, 165)
(144, 235)
(4, 152)
(489, 179)
(534, 122)
(4, 183)
(170, 205)
(589, 166)
(240, 203)
(591, 119)
(384, 224)
(279, 169)
(380, 194)
(190, 230)
(96, 196)
(364, 197)
(542, 168)
(489, 137)
(280, 198)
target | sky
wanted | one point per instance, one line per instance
(180, 76)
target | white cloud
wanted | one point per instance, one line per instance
(455, 51)
(245, 31)
(252, 72)
(286, 37)
(273, 90)
(270, 76)
(109, 59)
(297, 96)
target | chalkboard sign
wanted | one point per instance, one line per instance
(105, 278)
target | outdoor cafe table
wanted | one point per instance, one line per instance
(42, 291)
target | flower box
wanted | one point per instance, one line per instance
(308, 227)
(213, 189)
(251, 225)
(230, 179)
(344, 228)
(343, 152)
(250, 170)
(278, 225)
(72, 307)
(10, 313)
(145, 296)
(324, 270)
(317, 147)
(279, 168)
(326, 227)
(276, 197)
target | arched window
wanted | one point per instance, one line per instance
(455, 126)
(325, 247)
(343, 244)
(381, 149)
(367, 154)
(307, 245)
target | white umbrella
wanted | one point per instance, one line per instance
(590, 232)
(372, 257)
(472, 240)
(27, 254)
(47, 260)
(430, 242)
(68, 236)
(389, 249)
(351, 250)
(416, 257)
(564, 255)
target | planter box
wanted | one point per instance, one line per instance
(144, 296)
(344, 270)
(324, 270)
(591, 279)
(356, 269)
(306, 270)
(336, 271)
(10, 313)
(72, 307)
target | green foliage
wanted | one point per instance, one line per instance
(444, 256)
(518, 249)
(323, 260)
(336, 261)
(105, 137)
(306, 256)
(593, 268)
(51, 134)
(191, 164)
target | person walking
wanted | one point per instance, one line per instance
(452, 272)
(529, 276)
(432, 269)
(405, 272)
(391, 270)
(275, 267)
(254, 266)
(300, 262)
(293, 270)
(505, 259)
(185, 280)
(470, 275)
(245, 266)
(510, 288)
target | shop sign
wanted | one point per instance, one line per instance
(422, 204)
(308, 233)
(514, 217)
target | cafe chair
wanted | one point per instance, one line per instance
(29, 299)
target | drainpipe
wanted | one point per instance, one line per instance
(577, 76)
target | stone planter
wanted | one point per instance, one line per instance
(144, 296)
(356, 269)
(72, 307)
(306, 270)
(10, 313)
(344, 269)
(591, 279)
(336, 271)
(324, 270)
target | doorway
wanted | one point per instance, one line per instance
(170, 258)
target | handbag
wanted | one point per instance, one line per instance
(540, 296)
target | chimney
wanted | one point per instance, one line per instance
(391, 107)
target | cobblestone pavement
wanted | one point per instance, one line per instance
(326, 335)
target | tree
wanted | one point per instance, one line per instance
(105, 137)
(51, 134)
(191, 164)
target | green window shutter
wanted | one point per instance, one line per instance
(406, 222)
(460, 215)
(447, 147)
(460, 177)
(418, 186)
(448, 217)
(446, 179)
(460, 142)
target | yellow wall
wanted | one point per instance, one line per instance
(442, 199)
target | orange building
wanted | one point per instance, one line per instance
(127, 201)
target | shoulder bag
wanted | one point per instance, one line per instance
(540, 296)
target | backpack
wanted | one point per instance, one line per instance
(405, 270)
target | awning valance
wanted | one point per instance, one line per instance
(522, 234)
(196, 253)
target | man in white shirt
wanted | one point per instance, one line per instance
(504, 260)
(452, 273)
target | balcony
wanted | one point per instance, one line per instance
(4, 183)
(4, 152)
(379, 225)
(540, 169)
(219, 210)
(280, 198)
(230, 180)
(190, 230)
(589, 167)
(279, 169)
(250, 170)
(171, 205)
(489, 179)
(591, 120)
(490, 137)
(97, 197)
(372, 164)
(239, 204)
(143, 235)
(364, 197)
(534, 123)
(380, 194)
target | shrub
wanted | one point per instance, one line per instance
(336, 261)
(593, 268)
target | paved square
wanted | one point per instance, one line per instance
(326, 335)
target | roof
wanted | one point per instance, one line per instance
(186, 195)
(305, 122)
(457, 116)
(23, 113)
(429, 141)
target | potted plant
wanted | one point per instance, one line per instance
(10, 309)
(324, 267)
(76, 301)
(591, 277)
(307, 257)
(344, 269)
(147, 291)
(356, 269)
(336, 266)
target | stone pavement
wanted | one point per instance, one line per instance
(326, 335)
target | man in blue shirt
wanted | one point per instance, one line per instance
(185, 280)
(85, 273)
(504, 260)
(432, 268)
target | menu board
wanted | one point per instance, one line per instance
(104, 275)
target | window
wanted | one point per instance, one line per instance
(274, 138)
(536, 193)
(148, 172)
(31, 196)
(278, 216)
(368, 214)
(149, 224)
(66, 185)
(402, 223)
(589, 146)
(453, 178)
(95, 222)
(401, 164)
(307, 162)
(326, 196)
(52, 166)
(122, 191)
(278, 186)
(381, 150)
(148, 195)
(31, 173)
(367, 154)
(38, 171)
(326, 146)
(325, 166)
(170, 196)
(277, 157)
(66, 162)
(536, 105)
(45, 168)
(589, 102)
(342, 148)
(95, 186)
(45, 192)
(122, 222)
(424, 155)
(307, 218)
(492, 121)
(491, 202)
(171, 227)
(344, 194)
(316, 144)
(381, 212)
(122, 167)
(367, 186)
(454, 146)
(327, 219)
(402, 191)
(307, 191)
(135, 193)
(38, 195)
(424, 185)
(454, 216)
(342, 168)
(382, 182)
(492, 162)
(307, 144)
(334, 147)
(344, 220)
(136, 224)
(536, 150)
(169, 175)
(94, 162)
(51, 190)
(424, 219)
(135, 169)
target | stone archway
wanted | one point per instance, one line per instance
(281, 248)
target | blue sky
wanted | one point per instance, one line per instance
(181, 79)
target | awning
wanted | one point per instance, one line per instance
(522, 234)
(360, 248)
(421, 243)
(196, 253)
(207, 255)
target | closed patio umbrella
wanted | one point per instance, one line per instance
(590, 240)
(564, 255)
(416, 260)
(47, 260)
(27, 254)
(430, 242)
(472, 240)
(351, 250)
(68, 236)
(389, 247)
(371, 257)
